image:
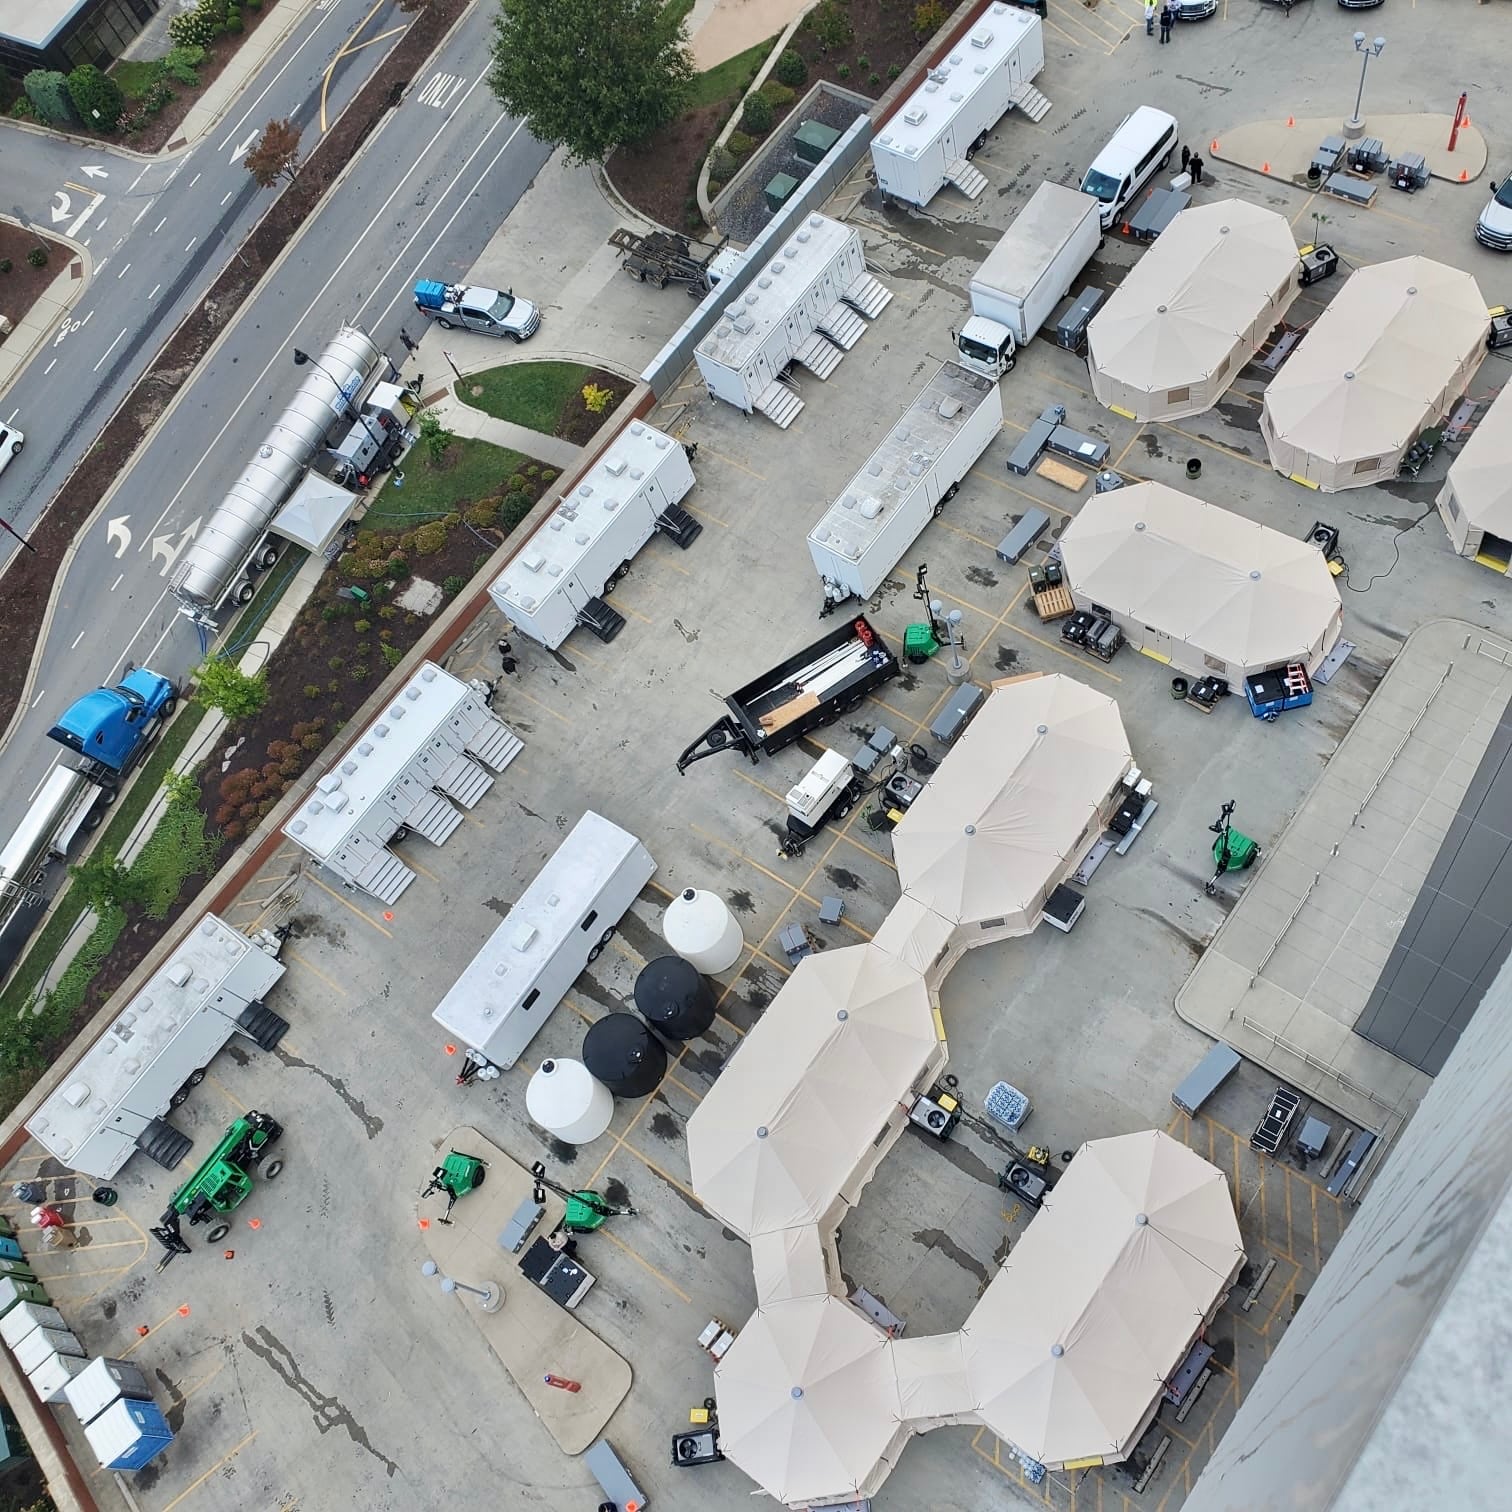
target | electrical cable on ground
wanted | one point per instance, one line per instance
(1396, 554)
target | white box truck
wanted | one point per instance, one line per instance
(931, 139)
(1026, 275)
(561, 577)
(113, 1101)
(904, 484)
(560, 923)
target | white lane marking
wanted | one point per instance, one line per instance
(103, 224)
(280, 355)
(13, 414)
(247, 115)
(76, 640)
(100, 268)
(41, 694)
(440, 90)
(229, 193)
(197, 177)
(93, 171)
(48, 773)
(108, 350)
(124, 271)
(117, 583)
(155, 288)
(86, 320)
(145, 208)
(192, 241)
(49, 367)
(78, 222)
(158, 227)
(138, 179)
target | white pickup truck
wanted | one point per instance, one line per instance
(486, 310)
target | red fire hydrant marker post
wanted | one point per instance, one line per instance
(563, 1383)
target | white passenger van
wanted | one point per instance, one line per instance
(1141, 146)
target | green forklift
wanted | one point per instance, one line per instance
(221, 1183)
(1232, 851)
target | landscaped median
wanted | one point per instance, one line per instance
(568, 400)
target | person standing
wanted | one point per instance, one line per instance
(507, 657)
(1167, 21)
(1196, 169)
(1186, 158)
(1151, 8)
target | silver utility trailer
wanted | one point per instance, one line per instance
(561, 922)
(905, 483)
(113, 1101)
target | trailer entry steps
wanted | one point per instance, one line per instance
(495, 745)
(819, 355)
(262, 1026)
(970, 181)
(1028, 99)
(779, 403)
(163, 1143)
(842, 325)
(870, 296)
(371, 868)
(603, 621)
(676, 523)
(434, 819)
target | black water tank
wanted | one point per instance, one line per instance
(624, 1054)
(674, 998)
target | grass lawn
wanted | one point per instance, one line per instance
(473, 471)
(531, 394)
(726, 80)
(136, 75)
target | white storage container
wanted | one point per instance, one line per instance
(24, 1317)
(568, 1101)
(50, 1380)
(40, 1343)
(128, 1434)
(700, 927)
(102, 1382)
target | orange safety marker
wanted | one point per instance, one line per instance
(1464, 177)
(229, 1255)
(1291, 120)
(1265, 167)
(563, 1383)
(388, 914)
(183, 1311)
(254, 1223)
(1213, 145)
(450, 1049)
(142, 1330)
(424, 1223)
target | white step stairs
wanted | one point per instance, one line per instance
(819, 355)
(779, 403)
(434, 819)
(495, 745)
(870, 296)
(842, 325)
(372, 868)
(1028, 99)
(970, 181)
(463, 781)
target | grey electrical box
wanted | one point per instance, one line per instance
(1071, 323)
(1205, 1078)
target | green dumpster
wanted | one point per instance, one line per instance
(778, 189)
(813, 140)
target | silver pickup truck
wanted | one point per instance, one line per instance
(486, 310)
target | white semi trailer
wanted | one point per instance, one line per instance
(1026, 275)
(904, 484)
(113, 1102)
(560, 923)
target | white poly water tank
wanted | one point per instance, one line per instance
(701, 929)
(567, 1100)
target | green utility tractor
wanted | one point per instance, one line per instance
(1232, 851)
(457, 1175)
(586, 1211)
(221, 1183)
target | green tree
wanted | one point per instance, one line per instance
(592, 77)
(96, 96)
(48, 91)
(222, 685)
(435, 436)
(105, 882)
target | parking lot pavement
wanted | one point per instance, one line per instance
(313, 1366)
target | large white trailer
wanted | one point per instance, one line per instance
(930, 141)
(805, 306)
(112, 1103)
(905, 483)
(1027, 274)
(560, 923)
(568, 567)
(428, 752)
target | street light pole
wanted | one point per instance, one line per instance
(490, 1295)
(1355, 125)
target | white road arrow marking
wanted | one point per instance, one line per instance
(95, 172)
(118, 533)
(166, 547)
(246, 147)
(62, 207)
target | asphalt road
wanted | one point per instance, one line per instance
(158, 234)
(430, 188)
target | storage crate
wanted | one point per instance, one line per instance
(1007, 1105)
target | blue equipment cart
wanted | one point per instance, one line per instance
(1272, 692)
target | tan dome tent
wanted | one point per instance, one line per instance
(1476, 499)
(1199, 587)
(1193, 311)
(1384, 362)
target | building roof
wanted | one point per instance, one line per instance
(1222, 584)
(997, 821)
(1378, 360)
(35, 23)
(1480, 477)
(1192, 299)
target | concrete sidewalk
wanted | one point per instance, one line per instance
(1292, 967)
(39, 322)
(464, 420)
(722, 29)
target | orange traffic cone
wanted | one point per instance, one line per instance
(1464, 177)
(1265, 167)
(1291, 120)
(1213, 145)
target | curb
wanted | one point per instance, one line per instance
(80, 287)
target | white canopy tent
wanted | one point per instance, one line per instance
(1476, 499)
(1382, 363)
(789, 1133)
(315, 513)
(1199, 587)
(1193, 310)
(1012, 808)
(1069, 1348)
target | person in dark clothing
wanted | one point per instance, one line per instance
(1167, 21)
(1186, 157)
(410, 344)
(1196, 169)
(507, 657)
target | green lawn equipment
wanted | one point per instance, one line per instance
(1232, 851)
(221, 1183)
(920, 642)
(586, 1211)
(457, 1175)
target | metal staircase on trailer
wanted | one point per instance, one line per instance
(867, 295)
(433, 818)
(970, 181)
(372, 868)
(841, 324)
(819, 355)
(1028, 99)
(779, 403)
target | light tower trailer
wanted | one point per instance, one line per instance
(112, 1103)
(562, 576)
(560, 923)
(904, 484)
(929, 142)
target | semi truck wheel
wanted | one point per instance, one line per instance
(267, 557)
(244, 593)
(169, 705)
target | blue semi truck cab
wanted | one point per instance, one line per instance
(111, 728)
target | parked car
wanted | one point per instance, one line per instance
(10, 443)
(1359, 4)
(1195, 10)
(1494, 228)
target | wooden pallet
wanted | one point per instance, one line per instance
(1064, 474)
(1054, 603)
